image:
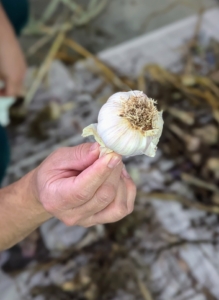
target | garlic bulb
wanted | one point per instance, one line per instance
(128, 124)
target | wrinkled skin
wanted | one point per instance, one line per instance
(79, 188)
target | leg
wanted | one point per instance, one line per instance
(4, 152)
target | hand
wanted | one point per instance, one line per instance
(12, 62)
(79, 188)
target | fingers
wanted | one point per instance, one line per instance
(75, 158)
(131, 188)
(114, 211)
(85, 185)
(13, 88)
(104, 195)
(119, 208)
(65, 163)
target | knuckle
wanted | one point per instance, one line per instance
(122, 211)
(82, 195)
(69, 222)
(106, 194)
(48, 206)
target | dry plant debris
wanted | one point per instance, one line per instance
(138, 257)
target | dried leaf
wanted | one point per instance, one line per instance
(208, 134)
(183, 116)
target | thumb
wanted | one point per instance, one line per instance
(76, 158)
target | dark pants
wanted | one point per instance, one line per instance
(17, 12)
(4, 152)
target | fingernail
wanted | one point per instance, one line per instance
(115, 160)
(125, 173)
(94, 147)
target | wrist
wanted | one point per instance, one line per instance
(30, 200)
(20, 212)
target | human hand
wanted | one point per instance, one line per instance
(79, 188)
(12, 62)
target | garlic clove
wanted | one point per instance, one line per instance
(126, 143)
(122, 96)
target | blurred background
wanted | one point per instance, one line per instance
(78, 54)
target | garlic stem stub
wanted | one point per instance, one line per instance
(128, 124)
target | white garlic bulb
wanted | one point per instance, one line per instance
(128, 124)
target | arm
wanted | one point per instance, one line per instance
(20, 212)
(73, 185)
(12, 62)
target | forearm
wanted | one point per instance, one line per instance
(20, 212)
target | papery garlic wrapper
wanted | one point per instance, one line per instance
(128, 124)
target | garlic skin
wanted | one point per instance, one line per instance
(128, 124)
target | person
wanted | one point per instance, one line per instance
(73, 184)
(13, 16)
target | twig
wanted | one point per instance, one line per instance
(144, 290)
(142, 287)
(92, 4)
(49, 11)
(181, 115)
(108, 73)
(92, 13)
(141, 80)
(163, 76)
(166, 10)
(44, 68)
(180, 243)
(72, 6)
(193, 42)
(84, 18)
(49, 35)
(39, 44)
(43, 154)
(192, 180)
(38, 27)
(180, 199)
